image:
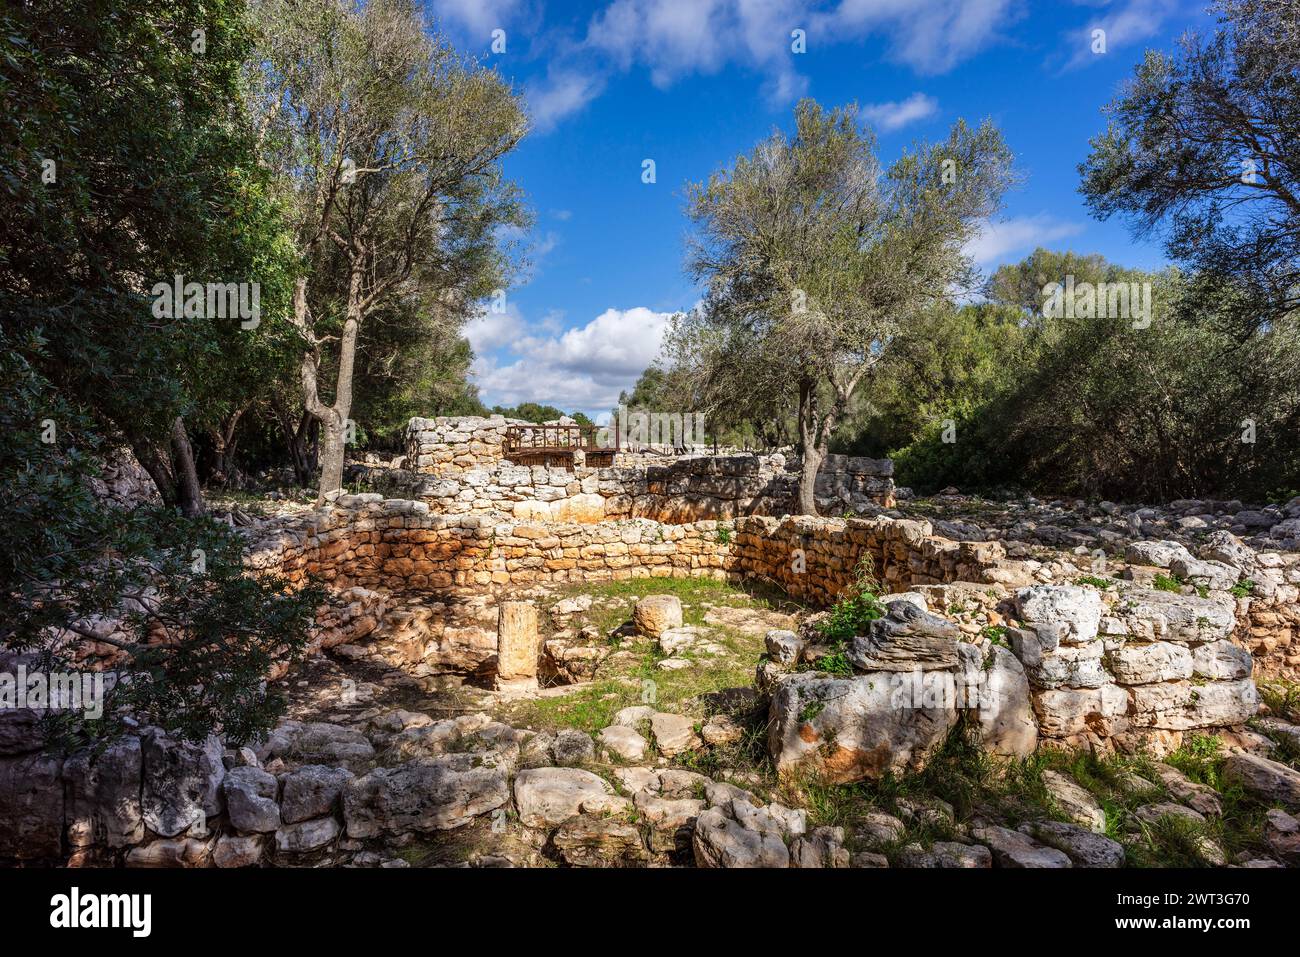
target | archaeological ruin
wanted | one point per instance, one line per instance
(472, 596)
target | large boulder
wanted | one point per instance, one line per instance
(181, 784)
(312, 791)
(1183, 705)
(1005, 720)
(1154, 615)
(721, 841)
(847, 729)
(431, 794)
(103, 795)
(550, 796)
(251, 800)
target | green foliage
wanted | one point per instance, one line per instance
(1095, 582)
(198, 635)
(850, 617)
(1163, 582)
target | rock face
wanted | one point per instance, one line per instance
(655, 614)
(424, 795)
(1006, 723)
(31, 807)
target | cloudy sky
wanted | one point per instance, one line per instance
(692, 84)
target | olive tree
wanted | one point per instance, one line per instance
(1202, 144)
(815, 259)
(387, 144)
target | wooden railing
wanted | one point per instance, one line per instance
(556, 444)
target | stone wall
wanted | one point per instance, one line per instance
(685, 489)
(405, 546)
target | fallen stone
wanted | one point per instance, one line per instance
(550, 796)
(1266, 780)
(600, 842)
(673, 733)
(719, 841)
(655, 614)
(1013, 849)
(623, 742)
(573, 748)
(1084, 847)
(1079, 806)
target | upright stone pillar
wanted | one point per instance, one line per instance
(517, 645)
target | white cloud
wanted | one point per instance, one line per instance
(562, 94)
(476, 17)
(673, 39)
(1018, 235)
(931, 36)
(491, 330)
(583, 368)
(1127, 23)
(895, 115)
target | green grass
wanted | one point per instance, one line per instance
(1163, 582)
(592, 706)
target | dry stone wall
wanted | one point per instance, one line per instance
(458, 466)
(404, 546)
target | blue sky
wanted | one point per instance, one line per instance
(692, 84)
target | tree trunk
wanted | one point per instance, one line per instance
(332, 418)
(188, 493)
(223, 449)
(331, 458)
(171, 466)
(810, 449)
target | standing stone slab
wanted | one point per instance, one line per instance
(518, 645)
